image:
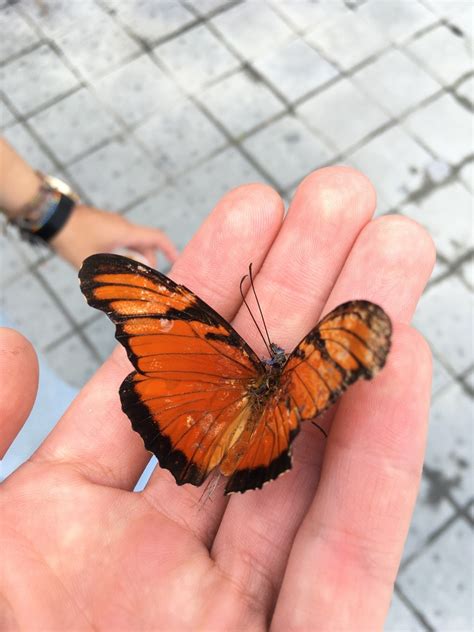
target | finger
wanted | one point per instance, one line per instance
(18, 386)
(391, 272)
(329, 210)
(94, 434)
(149, 237)
(352, 537)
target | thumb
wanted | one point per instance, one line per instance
(18, 386)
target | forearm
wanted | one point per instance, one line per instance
(18, 181)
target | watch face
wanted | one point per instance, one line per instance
(61, 186)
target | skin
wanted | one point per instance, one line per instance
(90, 230)
(319, 548)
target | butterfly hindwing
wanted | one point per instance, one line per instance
(350, 343)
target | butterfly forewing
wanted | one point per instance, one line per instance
(187, 398)
(350, 343)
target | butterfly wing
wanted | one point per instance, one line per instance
(350, 343)
(188, 397)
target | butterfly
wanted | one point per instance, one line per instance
(200, 397)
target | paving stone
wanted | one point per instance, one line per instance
(59, 16)
(205, 7)
(444, 54)
(466, 90)
(196, 58)
(441, 377)
(137, 89)
(180, 137)
(447, 9)
(17, 34)
(287, 150)
(170, 210)
(457, 13)
(12, 264)
(225, 171)
(452, 237)
(439, 268)
(64, 284)
(444, 317)
(396, 82)
(432, 510)
(252, 29)
(467, 175)
(452, 140)
(23, 142)
(400, 618)
(72, 361)
(397, 19)
(347, 40)
(6, 115)
(295, 69)
(463, 22)
(116, 175)
(439, 580)
(151, 20)
(95, 46)
(25, 300)
(469, 379)
(305, 14)
(467, 272)
(101, 335)
(241, 102)
(32, 253)
(343, 114)
(61, 126)
(395, 163)
(17, 77)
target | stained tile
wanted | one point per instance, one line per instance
(17, 77)
(116, 175)
(439, 580)
(179, 138)
(72, 360)
(451, 141)
(342, 114)
(241, 102)
(151, 20)
(17, 33)
(252, 28)
(444, 316)
(347, 40)
(396, 82)
(62, 127)
(395, 163)
(137, 89)
(25, 300)
(287, 150)
(196, 57)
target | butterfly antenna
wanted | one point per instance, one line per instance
(252, 316)
(258, 305)
(319, 428)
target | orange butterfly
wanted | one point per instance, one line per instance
(200, 396)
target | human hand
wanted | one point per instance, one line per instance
(90, 230)
(317, 549)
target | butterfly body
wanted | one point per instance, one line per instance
(201, 398)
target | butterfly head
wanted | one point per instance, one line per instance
(278, 357)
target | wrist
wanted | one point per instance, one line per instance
(19, 183)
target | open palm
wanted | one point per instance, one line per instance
(319, 548)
